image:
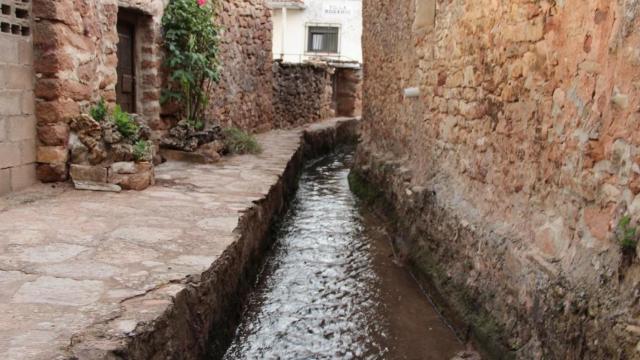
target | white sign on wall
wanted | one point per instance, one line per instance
(337, 8)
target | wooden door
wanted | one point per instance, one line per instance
(126, 86)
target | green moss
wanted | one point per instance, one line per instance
(627, 234)
(464, 306)
(99, 111)
(362, 188)
(238, 141)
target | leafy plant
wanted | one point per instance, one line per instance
(238, 141)
(196, 124)
(627, 236)
(125, 124)
(99, 111)
(142, 150)
(191, 40)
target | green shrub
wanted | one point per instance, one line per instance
(627, 236)
(142, 150)
(125, 124)
(191, 41)
(99, 111)
(238, 141)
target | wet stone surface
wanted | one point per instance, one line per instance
(331, 288)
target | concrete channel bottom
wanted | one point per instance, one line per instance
(156, 274)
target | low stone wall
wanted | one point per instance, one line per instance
(348, 92)
(303, 93)
(200, 319)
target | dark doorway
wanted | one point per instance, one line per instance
(126, 85)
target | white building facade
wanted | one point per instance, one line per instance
(310, 30)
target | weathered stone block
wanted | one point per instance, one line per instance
(59, 11)
(124, 167)
(139, 181)
(95, 186)
(52, 62)
(56, 111)
(52, 154)
(54, 134)
(52, 89)
(212, 151)
(89, 173)
(55, 35)
(51, 172)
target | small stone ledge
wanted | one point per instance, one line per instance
(115, 177)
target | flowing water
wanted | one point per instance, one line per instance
(331, 288)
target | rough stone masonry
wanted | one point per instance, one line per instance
(76, 43)
(514, 166)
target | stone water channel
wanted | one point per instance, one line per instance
(331, 289)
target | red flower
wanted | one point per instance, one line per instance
(201, 3)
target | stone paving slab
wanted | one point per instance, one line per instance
(72, 259)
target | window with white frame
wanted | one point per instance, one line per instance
(323, 39)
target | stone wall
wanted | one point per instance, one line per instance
(348, 92)
(303, 93)
(76, 57)
(17, 120)
(243, 98)
(513, 167)
(75, 42)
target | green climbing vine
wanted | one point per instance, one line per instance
(191, 41)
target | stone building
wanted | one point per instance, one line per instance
(310, 29)
(310, 35)
(508, 134)
(91, 49)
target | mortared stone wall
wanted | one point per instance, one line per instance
(515, 163)
(75, 44)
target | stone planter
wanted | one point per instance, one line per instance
(103, 160)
